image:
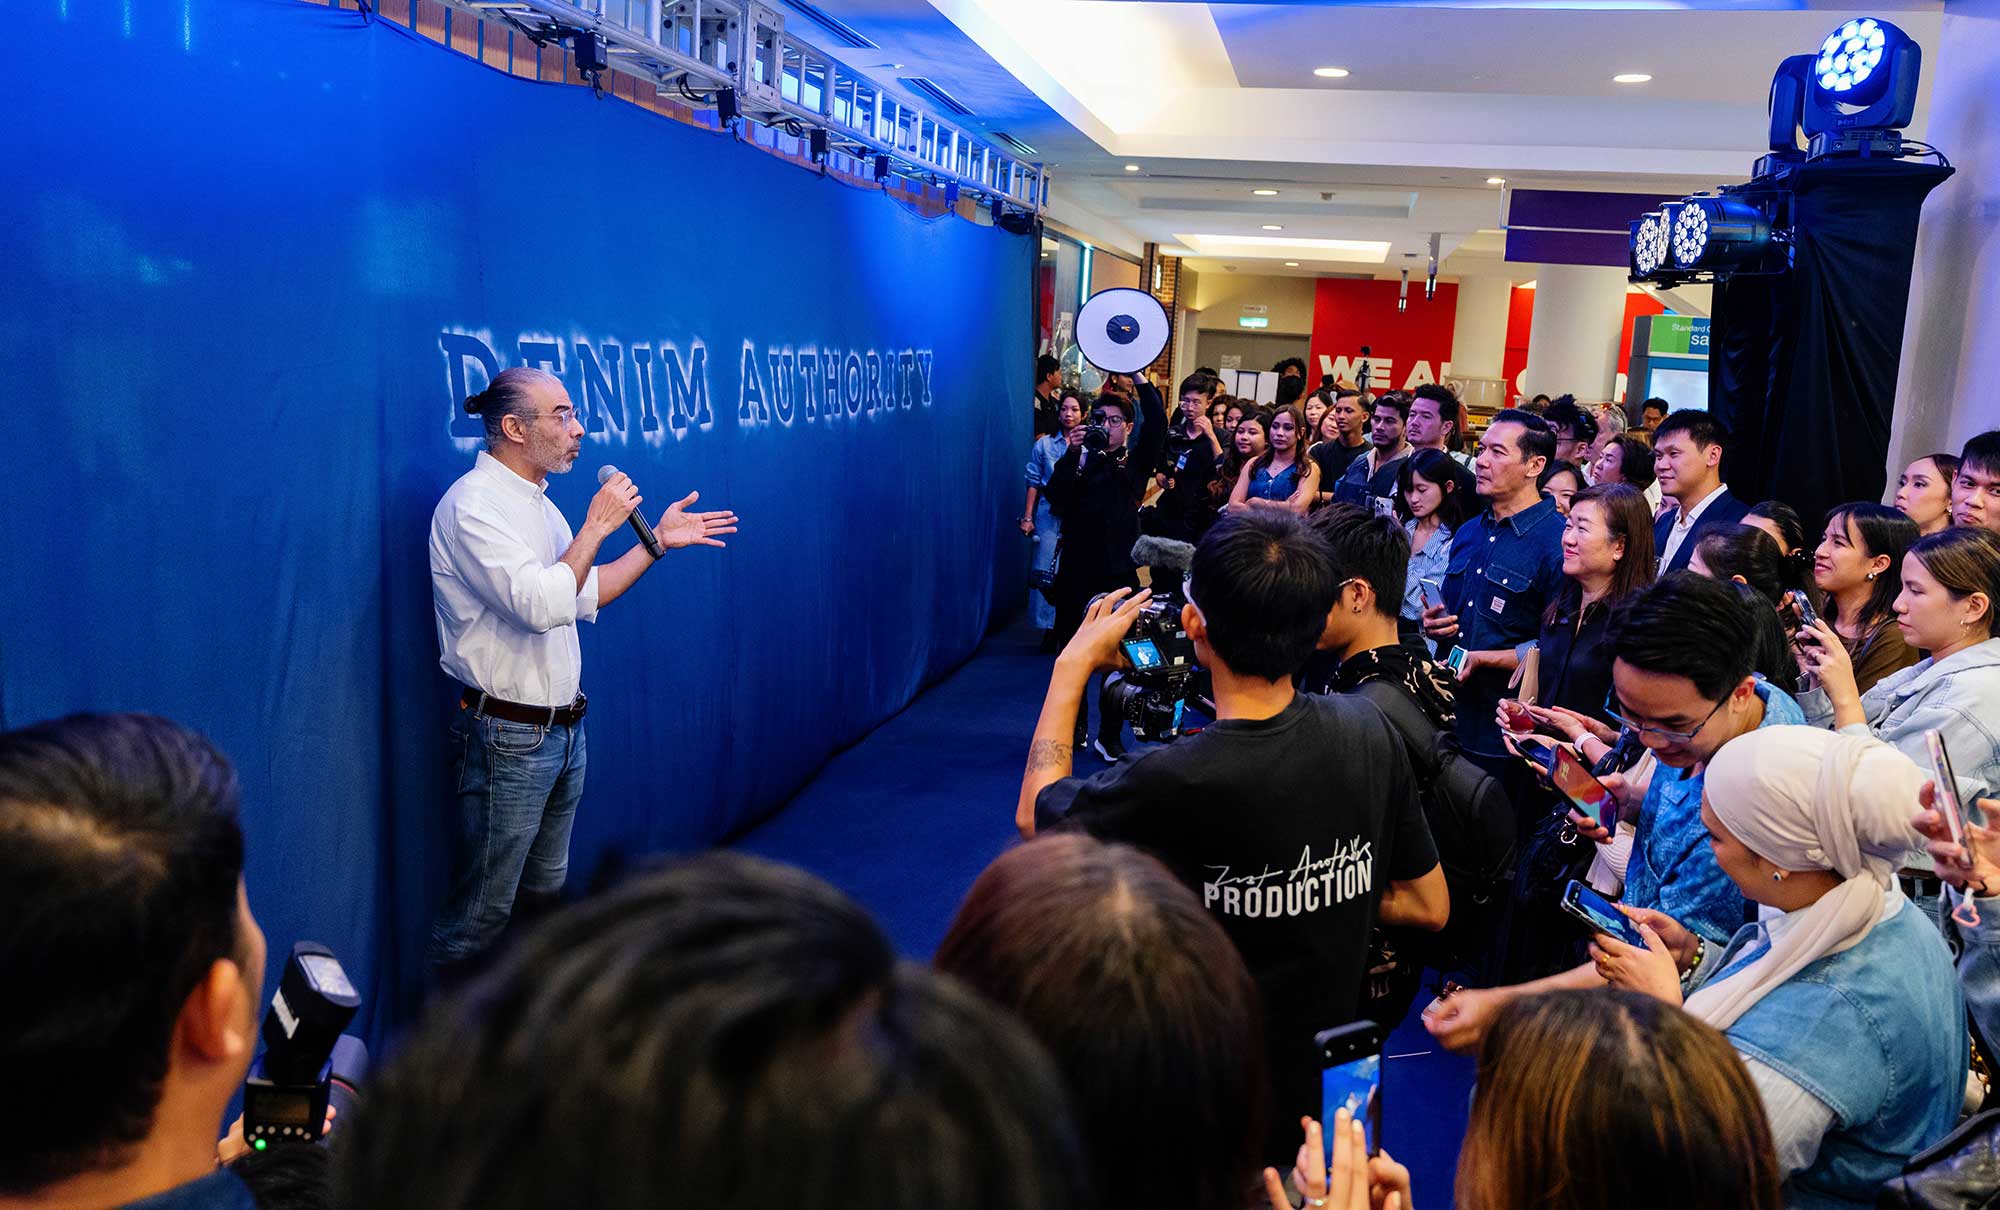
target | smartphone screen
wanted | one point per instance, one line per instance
(1585, 791)
(1946, 799)
(1144, 653)
(1351, 1079)
(1455, 660)
(1601, 914)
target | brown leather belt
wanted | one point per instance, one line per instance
(514, 712)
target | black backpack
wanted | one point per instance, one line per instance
(1472, 823)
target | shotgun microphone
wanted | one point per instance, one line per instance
(647, 538)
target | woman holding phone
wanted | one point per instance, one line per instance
(1607, 557)
(1947, 606)
(1841, 998)
(1859, 567)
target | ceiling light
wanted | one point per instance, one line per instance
(1330, 73)
(1631, 77)
(1265, 192)
(1272, 227)
(1496, 180)
(1131, 168)
(1291, 264)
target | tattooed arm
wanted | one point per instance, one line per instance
(1053, 748)
(1093, 647)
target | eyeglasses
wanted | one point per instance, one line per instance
(1611, 710)
(562, 416)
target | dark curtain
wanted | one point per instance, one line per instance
(1803, 367)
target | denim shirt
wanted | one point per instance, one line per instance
(1672, 868)
(1042, 458)
(1425, 564)
(1875, 1033)
(1499, 578)
(1958, 696)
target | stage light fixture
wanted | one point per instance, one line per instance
(1862, 89)
(1718, 232)
(1649, 244)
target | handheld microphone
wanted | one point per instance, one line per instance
(647, 538)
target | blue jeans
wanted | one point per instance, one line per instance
(516, 788)
(1048, 531)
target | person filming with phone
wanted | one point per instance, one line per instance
(1841, 997)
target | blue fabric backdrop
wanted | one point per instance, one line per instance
(254, 253)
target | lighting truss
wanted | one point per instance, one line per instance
(735, 58)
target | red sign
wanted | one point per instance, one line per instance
(1406, 349)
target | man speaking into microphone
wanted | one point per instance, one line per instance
(510, 582)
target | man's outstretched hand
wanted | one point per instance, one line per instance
(679, 527)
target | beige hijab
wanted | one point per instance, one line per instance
(1807, 799)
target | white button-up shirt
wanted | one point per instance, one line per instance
(1685, 522)
(507, 606)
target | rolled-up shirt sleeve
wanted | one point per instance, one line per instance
(503, 571)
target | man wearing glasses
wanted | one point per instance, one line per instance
(510, 582)
(1681, 680)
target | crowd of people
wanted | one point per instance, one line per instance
(1409, 630)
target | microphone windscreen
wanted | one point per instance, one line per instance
(604, 474)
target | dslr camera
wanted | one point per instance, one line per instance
(1096, 438)
(1152, 695)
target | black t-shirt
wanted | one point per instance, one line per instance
(1333, 458)
(1288, 829)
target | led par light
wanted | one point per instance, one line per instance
(1710, 233)
(1649, 244)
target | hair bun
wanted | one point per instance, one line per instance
(475, 404)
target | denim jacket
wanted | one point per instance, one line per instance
(1958, 696)
(1672, 869)
(1875, 1033)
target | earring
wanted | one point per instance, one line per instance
(1872, 575)
(1777, 875)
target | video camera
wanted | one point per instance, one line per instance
(1153, 694)
(307, 1060)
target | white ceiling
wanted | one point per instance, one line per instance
(1211, 100)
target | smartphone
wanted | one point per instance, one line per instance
(1803, 605)
(1946, 798)
(1455, 659)
(1599, 914)
(1385, 506)
(1350, 1078)
(1589, 794)
(1424, 590)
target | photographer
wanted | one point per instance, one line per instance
(1096, 488)
(132, 965)
(1293, 817)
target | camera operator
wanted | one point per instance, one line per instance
(132, 966)
(1293, 817)
(1187, 468)
(1096, 488)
